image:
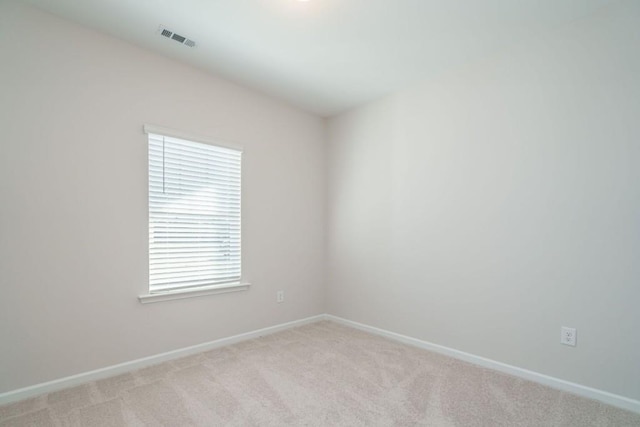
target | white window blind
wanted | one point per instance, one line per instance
(194, 214)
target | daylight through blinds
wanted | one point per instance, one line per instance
(194, 214)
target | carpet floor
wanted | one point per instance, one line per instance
(321, 374)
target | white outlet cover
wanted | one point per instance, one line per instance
(568, 336)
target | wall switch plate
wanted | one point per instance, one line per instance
(568, 336)
(280, 296)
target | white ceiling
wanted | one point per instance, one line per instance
(326, 56)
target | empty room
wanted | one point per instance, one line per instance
(319, 213)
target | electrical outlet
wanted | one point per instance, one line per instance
(280, 296)
(568, 336)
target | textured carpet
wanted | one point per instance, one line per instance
(322, 374)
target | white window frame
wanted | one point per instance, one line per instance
(192, 291)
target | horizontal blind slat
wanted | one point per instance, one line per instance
(193, 284)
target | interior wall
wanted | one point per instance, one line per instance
(73, 185)
(485, 210)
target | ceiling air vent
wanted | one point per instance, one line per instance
(164, 32)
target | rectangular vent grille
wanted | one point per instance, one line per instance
(177, 37)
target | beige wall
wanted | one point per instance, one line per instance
(487, 209)
(73, 186)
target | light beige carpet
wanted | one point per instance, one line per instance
(322, 374)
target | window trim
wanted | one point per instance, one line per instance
(201, 290)
(193, 292)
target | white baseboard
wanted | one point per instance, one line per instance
(580, 390)
(121, 368)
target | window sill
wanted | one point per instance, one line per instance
(191, 293)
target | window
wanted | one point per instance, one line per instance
(194, 215)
